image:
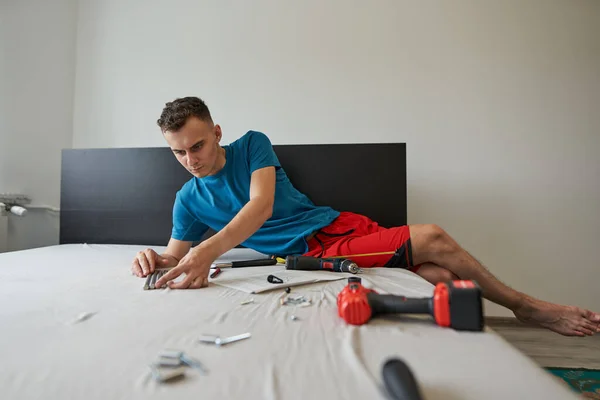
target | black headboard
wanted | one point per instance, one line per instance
(125, 195)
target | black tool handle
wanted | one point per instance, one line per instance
(254, 263)
(303, 263)
(390, 304)
(399, 380)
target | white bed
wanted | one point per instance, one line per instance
(44, 355)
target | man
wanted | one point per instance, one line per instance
(241, 192)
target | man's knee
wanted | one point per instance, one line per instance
(434, 232)
(436, 239)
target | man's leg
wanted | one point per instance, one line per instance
(435, 274)
(431, 244)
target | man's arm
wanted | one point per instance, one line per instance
(196, 264)
(147, 261)
(251, 217)
(176, 250)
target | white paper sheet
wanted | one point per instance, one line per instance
(254, 279)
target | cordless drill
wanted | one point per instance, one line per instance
(456, 304)
(306, 263)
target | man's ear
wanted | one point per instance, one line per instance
(218, 133)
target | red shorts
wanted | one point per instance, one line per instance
(352, 234)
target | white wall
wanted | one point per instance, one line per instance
(37, 78)
(498, 101)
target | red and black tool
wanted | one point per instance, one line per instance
(306, 263)
(456, 304)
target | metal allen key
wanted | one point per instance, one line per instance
(218, 341)
(152, 278)
(171, 365)
(147, 284)
(166, 374)
(172, 358)
(192, 362)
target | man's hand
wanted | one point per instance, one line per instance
(196, 266)
(147, 261)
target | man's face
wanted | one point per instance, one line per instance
(196, 146)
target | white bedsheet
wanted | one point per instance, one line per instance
(43, 355)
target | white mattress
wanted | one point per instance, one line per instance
(44, 355)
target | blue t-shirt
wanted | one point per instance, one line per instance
(214, 200)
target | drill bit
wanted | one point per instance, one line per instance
(349, 266)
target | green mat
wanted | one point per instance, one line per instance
(585, 381)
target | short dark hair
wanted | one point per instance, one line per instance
(176, 113)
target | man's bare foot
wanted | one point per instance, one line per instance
(566, 320)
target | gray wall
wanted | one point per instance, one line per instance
(39, 228)
(37, 80)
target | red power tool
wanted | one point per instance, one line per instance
(456, 304)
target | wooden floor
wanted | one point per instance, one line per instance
(547, 348)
